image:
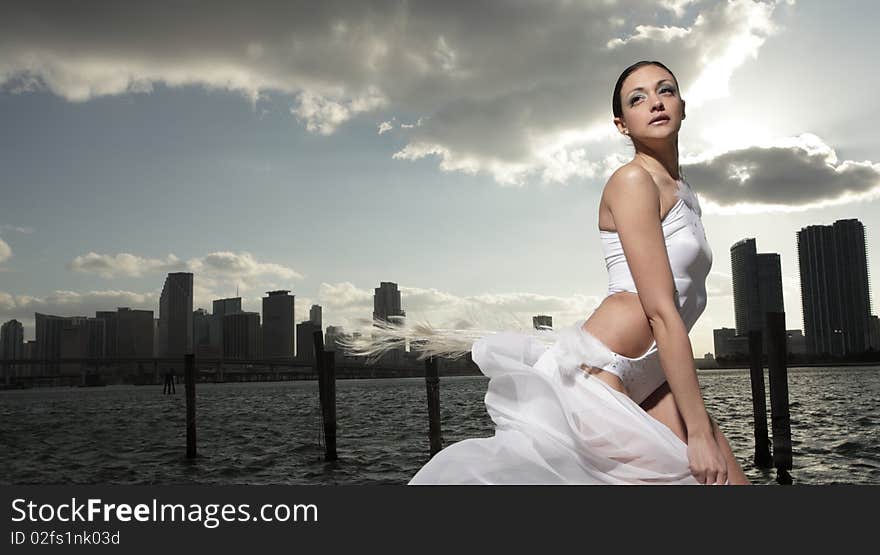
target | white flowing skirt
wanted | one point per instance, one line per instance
(555, 424)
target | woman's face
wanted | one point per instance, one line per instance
(652, 107)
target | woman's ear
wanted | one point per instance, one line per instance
(621, 126)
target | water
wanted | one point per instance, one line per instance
(269, 433)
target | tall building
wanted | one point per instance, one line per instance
(542, 322)
(386, 302)
(331, 337)
(221, 307)
(48, 337)
(242, 336)
(387, 307)
(835, 295)
(110, 324)
(757, 286)
(12, 346)
(175, 315)
(134, 333)
(201, 327)
(305, 341)
(315, 315)
(12, 340)
(279, 325)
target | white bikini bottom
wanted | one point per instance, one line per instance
(641, 376)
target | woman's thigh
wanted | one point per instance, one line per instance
(661, 405)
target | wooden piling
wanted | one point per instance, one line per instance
(190, 381)
(759, 401)
(777, 365)
(432, 384)
(325, 363)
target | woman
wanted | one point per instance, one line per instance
(615, 399)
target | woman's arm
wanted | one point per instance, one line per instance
(634, 202)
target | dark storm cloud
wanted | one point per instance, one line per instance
(800, 173)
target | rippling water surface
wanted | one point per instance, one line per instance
(269, 433)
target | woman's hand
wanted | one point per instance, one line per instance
(705, 459)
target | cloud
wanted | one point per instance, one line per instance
(789, 174)
(347, 305)
(384, 127)
(18, 229)
(5, 251)
(515, 90)
(124, 265)
(219, 265)
(72, 303)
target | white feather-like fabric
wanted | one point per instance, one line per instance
(555, 425)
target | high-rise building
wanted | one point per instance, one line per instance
(12, 346)
(201, 328)
(279, 325)
(48, 337)
(305, 341)
(757, 287)
(12, 340)
(134, 333)
(331, 336)
(110, 324)
(175, 315)
(542, 322)
(387, 307)
(315, 315)
(386, 302)
(242, 336)
(221, 307)
(835, 294)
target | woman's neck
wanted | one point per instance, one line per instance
(663, 160)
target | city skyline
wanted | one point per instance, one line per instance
(444, 160)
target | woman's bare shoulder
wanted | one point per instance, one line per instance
(629, 181)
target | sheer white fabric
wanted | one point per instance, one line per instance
(556, 426)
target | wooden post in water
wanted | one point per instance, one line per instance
(325, 363)
(777, 365)
(432, 383)
(759, 401)
(189, 363)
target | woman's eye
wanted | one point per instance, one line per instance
(667, 89)
(633, 100)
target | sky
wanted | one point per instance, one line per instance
(458, 149)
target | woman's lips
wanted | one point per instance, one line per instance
(659, 121)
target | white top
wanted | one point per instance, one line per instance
(690, 257)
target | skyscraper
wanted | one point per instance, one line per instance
(110, 323)
(386, 302)
(222, 307)
(48, 337)
(241, 336)
(757, 286)
(12, 344)
(134, 333)
(175, 315)
(835, 295)
(315, 315)
(279, 324)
